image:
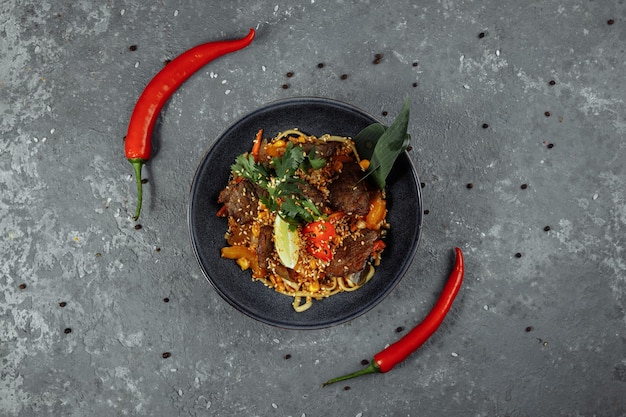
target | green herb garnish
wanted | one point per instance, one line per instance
(284, 195)
(382, 145)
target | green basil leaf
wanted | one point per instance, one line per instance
(393, 141)
(365, 141)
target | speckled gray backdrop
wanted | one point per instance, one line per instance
(531, 113)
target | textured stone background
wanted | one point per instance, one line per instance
(543, 334)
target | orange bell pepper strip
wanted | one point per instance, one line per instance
(377, 213)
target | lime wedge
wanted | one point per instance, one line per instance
(287, 242)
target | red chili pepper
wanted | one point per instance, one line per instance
(385, 360)
(318, 235)
(138, 144)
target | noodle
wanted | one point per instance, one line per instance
(355, 246)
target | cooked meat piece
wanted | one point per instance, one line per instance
(265, 245)
(347, 194)
(322, 150)
(240, 199)
(315, 195)
(351, 256)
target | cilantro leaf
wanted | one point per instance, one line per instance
(312, 161)
(287, 165)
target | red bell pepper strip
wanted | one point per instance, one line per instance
(317, 235)
(385, 360)
(138, 145)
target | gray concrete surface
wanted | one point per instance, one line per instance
(542, 333)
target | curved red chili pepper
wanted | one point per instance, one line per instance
(385, 360)
(138, 145)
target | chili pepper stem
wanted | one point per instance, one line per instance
(137, 165)
(372, 368)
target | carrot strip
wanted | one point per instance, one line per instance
(256, 148)
(222, 211)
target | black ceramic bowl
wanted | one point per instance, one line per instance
(315, 116)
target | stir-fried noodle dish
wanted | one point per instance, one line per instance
(303, 217)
